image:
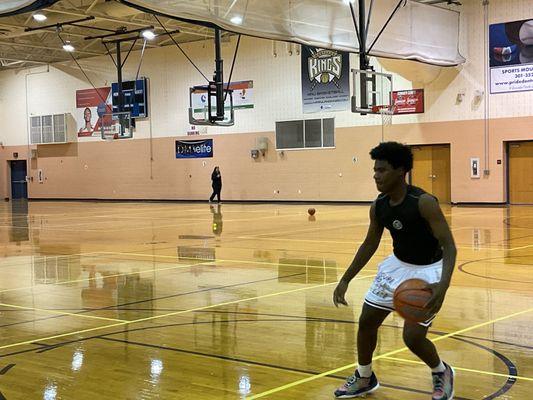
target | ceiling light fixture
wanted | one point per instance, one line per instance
(68, 47)
(39, 17)
(237, 20)
(148, 34)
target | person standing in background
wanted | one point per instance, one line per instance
(216, 183)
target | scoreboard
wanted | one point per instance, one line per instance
(134, 97)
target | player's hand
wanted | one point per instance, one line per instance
(339, 293)
(434, 304)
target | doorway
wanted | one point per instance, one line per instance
(520, 177)
(19, 188)
(431, 170)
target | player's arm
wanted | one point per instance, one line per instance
(431, 212)
(363, 255)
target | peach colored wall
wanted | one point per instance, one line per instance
(127, 170)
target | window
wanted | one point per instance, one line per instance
(303, 134)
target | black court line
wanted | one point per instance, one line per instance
(318, 319)
(506, 387)
(278, 367)
(154, 299)
(461, 268)
(6, 369)
(511, 367)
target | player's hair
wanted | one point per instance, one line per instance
(396, 154)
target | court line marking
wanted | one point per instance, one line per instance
(229, 261)
(112, 276)
(61, 313)
(388, 354)
(8, 346)
(386, 241)
(31, 256)
(476, 371)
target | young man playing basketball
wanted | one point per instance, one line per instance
(423, 248)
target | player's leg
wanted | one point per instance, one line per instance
(364, 381)
(415, 338)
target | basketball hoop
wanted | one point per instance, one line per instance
(116, 126)
(109, 136)
(386, 111)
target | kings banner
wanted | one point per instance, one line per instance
(325, 80)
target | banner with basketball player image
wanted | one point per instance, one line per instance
(511, 56)
(91, 105)
(325, 80)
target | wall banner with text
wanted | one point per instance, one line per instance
(511, 56)
(408, 101)
(194, 148)
(325, 80)
(90, 103)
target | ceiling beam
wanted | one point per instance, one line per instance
(15, 58)
(93, 53)
(125, 21)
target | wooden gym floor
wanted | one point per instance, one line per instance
(145, 301)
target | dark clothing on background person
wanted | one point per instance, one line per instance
(216, 184)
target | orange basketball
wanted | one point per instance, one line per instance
(311, 211)
(409, 300)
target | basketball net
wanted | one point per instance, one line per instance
(387, 113)
(109, 132)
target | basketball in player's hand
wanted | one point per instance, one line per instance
(410, 297)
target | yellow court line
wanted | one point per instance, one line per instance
(47, 255)
(475, 371)
(61, 313)
(62, 335)
(520, 248)
(105, 230)
(224, 260)
(383, 241)
(388, 354)
(112, 276)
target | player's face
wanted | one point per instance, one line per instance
(386, 177)
(87, 115)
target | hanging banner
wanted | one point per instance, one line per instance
(325, 80)
(194, 148)
(91, 104)
(511, 56)
(243, 97)
(408, 101)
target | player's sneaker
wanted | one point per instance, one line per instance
(443, 384)
(356, 386)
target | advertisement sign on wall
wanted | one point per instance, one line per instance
(408, 101)
(90, 103)
(511, 56)
(194, 148)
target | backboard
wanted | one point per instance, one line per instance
(118, 125)
(203, 106)
(371, 92)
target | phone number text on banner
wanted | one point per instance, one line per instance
(194, 148)
(517, 78)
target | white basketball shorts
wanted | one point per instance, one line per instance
(391, 273)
